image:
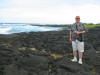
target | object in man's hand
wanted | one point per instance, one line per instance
(80, 37)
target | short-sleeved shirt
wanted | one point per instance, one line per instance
(75, 27)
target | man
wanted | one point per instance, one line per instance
(77, 39)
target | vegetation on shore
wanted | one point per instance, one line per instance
(92, 25)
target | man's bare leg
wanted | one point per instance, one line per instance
(80, 57)
(74, 53)
(75, 56)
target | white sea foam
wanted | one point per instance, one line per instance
(5, 30)
(9, 29)
(40, 28)
(45, 29)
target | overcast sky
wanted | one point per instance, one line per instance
(49, 11)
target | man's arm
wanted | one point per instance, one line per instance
(80, 32)
(83, 31)
(70, 36)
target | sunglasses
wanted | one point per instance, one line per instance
(77, 18)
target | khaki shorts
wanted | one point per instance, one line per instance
(77, 45)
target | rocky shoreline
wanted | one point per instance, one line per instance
(47, 53)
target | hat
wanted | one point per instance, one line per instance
(77, 16)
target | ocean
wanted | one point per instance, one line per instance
(18, 28)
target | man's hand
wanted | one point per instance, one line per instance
(70, 40)
(82, 32)
(77, 32)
